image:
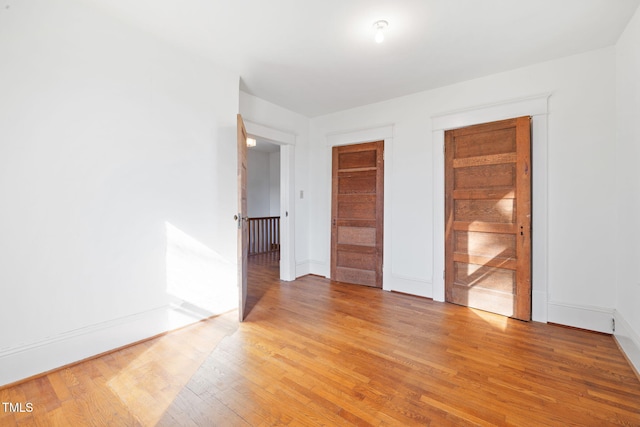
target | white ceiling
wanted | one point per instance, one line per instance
(317, 57)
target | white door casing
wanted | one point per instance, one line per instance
(537, 108)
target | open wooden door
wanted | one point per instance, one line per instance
(488, 217)
(241, 217)
(357, 213)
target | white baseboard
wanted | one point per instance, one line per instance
(408, 285)
(27, 360)
(302, 268)
(319, 268)
(311, 266)
(393, 282)
(628, 340)
(584, 317)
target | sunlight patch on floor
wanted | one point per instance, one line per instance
(495, 320)
(152, 379)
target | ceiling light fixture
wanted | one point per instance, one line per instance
(379, 27)
(251, 142)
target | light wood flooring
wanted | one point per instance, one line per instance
(315, 352)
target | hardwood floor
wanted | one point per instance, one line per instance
(314, 352)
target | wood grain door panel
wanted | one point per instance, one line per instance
(488, 217)
(243, 229)
(357, 213)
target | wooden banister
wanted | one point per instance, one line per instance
(264, 235)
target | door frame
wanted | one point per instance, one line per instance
(286, 141)
(537, 108)
(382, 133)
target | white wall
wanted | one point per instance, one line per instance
(626, 225)
(288, 122)
(263, 183)
(581, 164)
(117, 181)
(258, 183)
(274, 183)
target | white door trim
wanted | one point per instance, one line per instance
(536, 107)
(286, 141)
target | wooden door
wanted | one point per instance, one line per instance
(357, 213)
(488, 217)
(241, 217)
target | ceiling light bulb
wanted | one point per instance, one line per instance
(379, 35)
(251, 142)
(379, 27)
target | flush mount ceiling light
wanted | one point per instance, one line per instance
(379, 27)
(251, 142)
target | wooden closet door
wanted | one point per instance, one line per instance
(357, 213)
(488, 217)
